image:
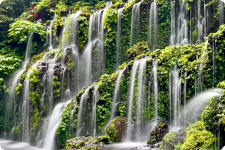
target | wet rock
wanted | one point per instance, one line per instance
(83, 143)
(169, 141)
(117, 129)
(157, 135)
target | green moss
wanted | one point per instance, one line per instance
(199, 138)
(169, 141)
(115, 132)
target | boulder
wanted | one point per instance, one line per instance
(116, 131)
(157, 135)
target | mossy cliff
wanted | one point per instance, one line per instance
(194, 60)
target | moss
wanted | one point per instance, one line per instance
(110, 25)
(138, 49)
(169, 141)
(199, 138)
(116, 129)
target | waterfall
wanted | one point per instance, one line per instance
(173, 27)
(200, 79)
(131, 97)
(153, 26)
(221, 8)
(96, 34)
(185, 92)
(94, 109)
(26, 110)
(85, 124)
(155, 82)
(214, 59)
(196, 105)
(141, 97)
(118, 38)
(182, 28)
(53, 123)
(70, 30)
(201, 22)
(49, 29)
(81, 117)
(175, 95)
(116, 94)
(135, 21)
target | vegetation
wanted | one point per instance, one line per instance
(20, 18)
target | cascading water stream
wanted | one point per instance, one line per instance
(135, 21)
(118, 38)
(221, 8)
(53, 123)
(131, 97)
(141, 96)
(26, 109)
(155, 82)
(196, 105)
(50, 32)
(182, 28)
(83, 102)
(96, 36)
(201, 22)
(175, 95)
(173, 27)
(94, 109)
(200, 79)
(90, 123)
(153, 25)
(116, 94)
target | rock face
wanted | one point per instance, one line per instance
(157, 135)
(117, 129)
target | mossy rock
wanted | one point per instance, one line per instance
(139, 48)
(89, 143)
(116, 130)
(169, 141)
(160, 131)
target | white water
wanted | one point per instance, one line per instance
(131, 98)
(201, 22)
(94, 109)
(196, 105)
(26, 110)
(53, 123)
(141, 97)
(11, 102)
(221, 9)
(135, 21)
(155, 82)
(173, 27)
(182, 28)
(83, 102)
(70, 30)
(200, 81)
(175, 95)
(50, 32)
(153, 25)
(116, 94)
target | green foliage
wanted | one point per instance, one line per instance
(83, 31)
(138, 49)
(110, 24)
(20, 30)
(62, 131)
(199, 138)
